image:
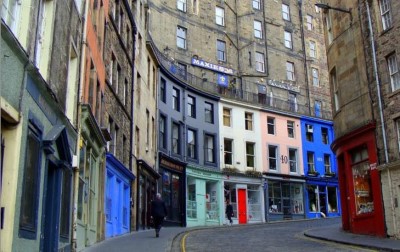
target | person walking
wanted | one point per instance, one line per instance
(158, 213)
(229, 212)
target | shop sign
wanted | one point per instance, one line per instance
(202, 173)
(283, 85)
(211, 66)
(171, 165)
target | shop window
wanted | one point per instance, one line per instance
(254, 202)
(332, 200)
(212, 208)
(274, 195)
(191, 202)
(65, 204)
(312, 191)
(362, 182)
(297, 198)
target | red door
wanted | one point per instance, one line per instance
(242, 206)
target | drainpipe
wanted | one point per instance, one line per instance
(305, 55)
(265, 40)
(378, 91)
(238, 50)
(79, 129)
(132, 130)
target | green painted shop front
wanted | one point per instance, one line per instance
(204, 204)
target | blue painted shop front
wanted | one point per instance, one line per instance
(117, 197)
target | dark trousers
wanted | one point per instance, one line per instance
(230, 218)
(158, 222)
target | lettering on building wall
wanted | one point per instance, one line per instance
(211, 66)
(171, 165)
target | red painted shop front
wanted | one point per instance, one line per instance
(359, 182)
(242, 206)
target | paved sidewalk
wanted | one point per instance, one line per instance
(335, 233)
(139, 241)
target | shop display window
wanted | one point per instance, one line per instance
(362, 188)
(254, 202)
(191, 210)
(297, 199)
(274, 194)
(212, 210)
(332, 200)
(312, 191)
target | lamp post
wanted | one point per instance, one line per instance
(328, 7)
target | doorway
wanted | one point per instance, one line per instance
(242, 206)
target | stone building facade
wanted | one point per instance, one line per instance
(362, 40)
(267, 51)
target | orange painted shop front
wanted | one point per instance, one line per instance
(359, 182)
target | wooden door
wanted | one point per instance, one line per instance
(242, 206)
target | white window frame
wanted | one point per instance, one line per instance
(286, 12)
(250, 155)
(290, 71)
(181, 34)
(335, 90)
(228, 152)
(258, 29)
(398, 132)
(393, 72)
(257, 4)
(290, 129)
(10, 11)
(310, 22)
(311, 161)
(271, 158)
(219, 16)
(181, 5)
(260, 62)
(288, 39)
(294, 161)
(227, 114)
(315, 76)
(248, 117)
(386, 14)
(209, 148)
(327, 163)
(313, 49)
(271, 124)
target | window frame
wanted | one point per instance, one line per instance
(209, 110)
(327, 163)
(310, 22)
(181, 37)
(257, 4)
(324, 135)
(313, 49)
(193, 147)
(315, 76)
(208, 136)
(248, 120)
(191, 106)
(290, 129)
(162, 131)
(176, 96)
(181, 5)
(286, 12)
(35, 132)
(176, 139)
(288, 39)
(251, 157)
(258, 33)
(221, 50)
(273, 158)
(393, 70)
(271, 125)
(335, 89)
(386, 14)
(311, 161)
(219, 16)
(227, 116)
(293, 161)
(228, 151)
(290, 71)
(260, 62)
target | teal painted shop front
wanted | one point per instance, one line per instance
(204, 205)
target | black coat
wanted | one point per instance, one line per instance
(229, 210)
(158, 208)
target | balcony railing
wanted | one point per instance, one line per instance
(265, 101)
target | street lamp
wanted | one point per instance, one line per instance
(328, 7)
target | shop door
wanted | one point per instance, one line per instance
(242, 206)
